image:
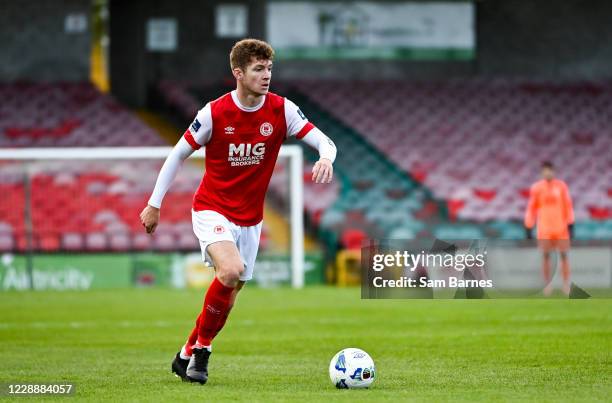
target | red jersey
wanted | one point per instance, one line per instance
(242, 145)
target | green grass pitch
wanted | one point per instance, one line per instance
(117, 345)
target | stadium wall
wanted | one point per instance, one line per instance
(547, 39)
(200, 56)
(70, 271)
(567, 39)
(36, 45)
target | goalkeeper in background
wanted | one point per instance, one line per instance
(550, 205)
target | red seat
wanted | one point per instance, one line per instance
(583, 138)
(353, 239)
(49, 242)
(485, 194)
(600, 213)
(524, 193)
(419, 175)
(454, 206)
(13, 132)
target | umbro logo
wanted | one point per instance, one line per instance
(229, 130)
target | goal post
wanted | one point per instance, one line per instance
(293, 153)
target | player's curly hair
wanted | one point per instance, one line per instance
(548, 164)
(244, 50)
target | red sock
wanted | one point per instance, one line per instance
(229, 309)
(193, 336)
(217, 303)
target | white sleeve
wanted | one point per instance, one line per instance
(168, 172)
(200, 130)
(297, 124)
(326, 147)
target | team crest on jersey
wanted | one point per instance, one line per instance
(219, 229)
(266, 129)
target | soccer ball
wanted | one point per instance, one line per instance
(352, 368)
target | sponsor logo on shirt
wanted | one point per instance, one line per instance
(195, 126)
(266, 129)
(229, 130)
(246, 154)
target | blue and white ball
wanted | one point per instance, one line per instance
(352, 368)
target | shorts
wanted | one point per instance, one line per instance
(553, 242)
(210, 227)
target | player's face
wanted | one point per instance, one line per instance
(548, 173)
(257, 76)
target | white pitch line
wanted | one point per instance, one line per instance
(79, 325)
(116, 324)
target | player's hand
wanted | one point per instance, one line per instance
(570, 229)
(150, 218)
(323, 171)
(528, 234)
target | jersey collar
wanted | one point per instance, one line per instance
(246, 108)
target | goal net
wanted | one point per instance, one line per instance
(69, 218)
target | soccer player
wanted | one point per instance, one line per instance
(242, 131)
(550, 205)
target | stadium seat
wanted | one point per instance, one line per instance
(353, 239)
(96, 241)
(49, 241)
(165, 241)
(74, 114)
(187, 241)
(119, 241)
(447, 144)
(141, 241)
(72, 241)
(7, 242)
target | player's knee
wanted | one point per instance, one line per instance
(229, 273)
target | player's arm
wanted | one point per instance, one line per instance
(301, 128)
(531, 211)
(194, 138)
(323, 170)
(149, 217)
